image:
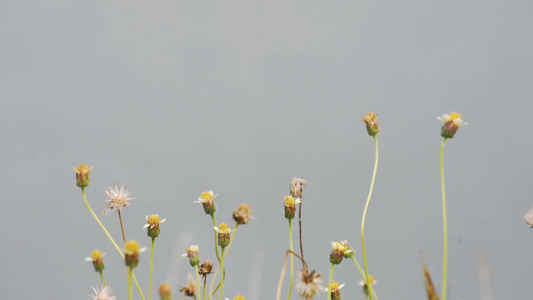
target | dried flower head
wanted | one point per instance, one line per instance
(296, 187)
(528, 218)
(243, 214)
(207, 200)
(103, 294)
(309, 285)
(153, 223)
(205, 268)
(190, 289)
(372, 125)
(193, 253)
(82, 175)
(165, 291)
(119, 197)
(97, 260)
(452, 122)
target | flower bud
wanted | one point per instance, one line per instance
(165, 292)
(223, 234)
(452, 122)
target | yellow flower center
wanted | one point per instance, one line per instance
(239, 297)
(223, 227)
(371, 279)
(454, 115)
(207, 195)
(289, 201)
(96, 255)
(132, 247)
(153, 220)
(334, 286)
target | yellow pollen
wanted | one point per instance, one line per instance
(371, 279)
(132, 247)
(223, 227)
(96, 254)
(207, 195)
(335, 286)
(289, 201)
(153, 220)
(239, 297)
(454, 115)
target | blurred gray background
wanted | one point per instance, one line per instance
(177, 97)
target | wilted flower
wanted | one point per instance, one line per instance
(223, 234)
(190, 289)
(165, 292)
(207, 200)
(97, 260)
(153, 223)
(290, 207)
(120, 196)
(82, 175)
(452, 122)
(309, 284)
(528, 218)
(193, 253)
(243, 214)
(372, 125)
(103, 294)
(296, 187)
(205, 268)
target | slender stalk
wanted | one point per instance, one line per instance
(358, 266)
(130, 294)
(222, 274)
(102, 277)
(151, 270)
(365, 212)
(292, 258)
(330, 281)
(282, 275)
(197, 282)
(205, 281)
(444, 221)
(300, 228)
(122, 227)
(110, 238)
(211, 291)
(216, 242)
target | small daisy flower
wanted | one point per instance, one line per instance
(528, 218)
(452, 122)
(243, 214)
(335, 290)
(165, 292)
(190, 289)
(371, 280)
(207, 200)
(82, 175)
(131, 251)
(223, 234)
(103, 294)
(296, 187)
(372, 125)
(350, 253)
(153, 223)
(337, 254)
(309, 285)
(97, 260)
(290, 207)
(120, 196)
(193, 253)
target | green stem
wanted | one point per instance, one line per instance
(216, 242)
(222, 274)
(330, 281)
(444, 222)
(130, 294)
(197, 282)
(111, 239)
(151, 269)
(102, 277)
(292, 258)
(220, 267)
(364, 215)
(358, 266)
